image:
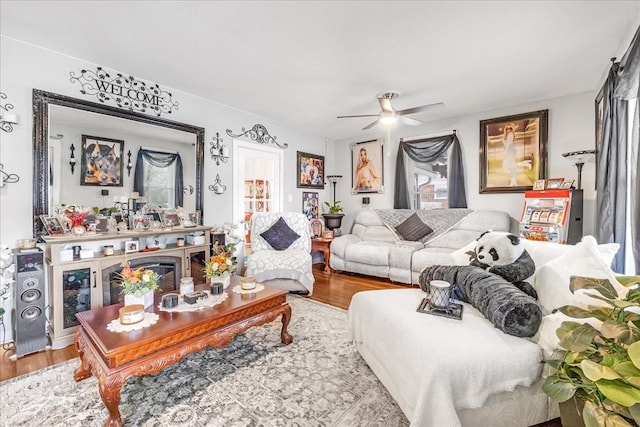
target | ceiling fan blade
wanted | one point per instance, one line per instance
(385, 104)
(421, 108)
(358, 115)
(409, 121)
(370, 125)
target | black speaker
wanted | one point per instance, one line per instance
(29, 320)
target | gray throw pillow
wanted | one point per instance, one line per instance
(280, 236)
(413, 228)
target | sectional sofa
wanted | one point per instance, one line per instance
(374, 247)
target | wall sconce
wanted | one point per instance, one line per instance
(334, 180)
(219, 152)
(217, 187)
(129, 163)
(72, 159)
(7, 119)
(579, 158)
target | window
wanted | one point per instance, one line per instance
(430, 186)
(159, 184)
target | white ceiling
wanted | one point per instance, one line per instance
(303, 63)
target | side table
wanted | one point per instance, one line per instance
(322, 245)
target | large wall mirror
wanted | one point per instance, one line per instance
(61, 121)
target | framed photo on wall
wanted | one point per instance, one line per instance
(513, 152)
(310, 204)
(101, 161)
(310, 170)
(367, 167)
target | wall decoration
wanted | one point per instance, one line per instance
(101, 161)
(310, 170)
(125, 92)
(310, 204)
(217, 186)
(7, 178)
(513, 152)
(259, 134)
(72, 158)
(218, 150)
(367, 175)
(129, 165)
(7, 119)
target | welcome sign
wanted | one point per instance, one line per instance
(125, 92)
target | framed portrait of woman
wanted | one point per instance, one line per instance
(513, 152)
(367, 167)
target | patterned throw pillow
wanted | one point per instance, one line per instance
(413, 228)
(280, 236)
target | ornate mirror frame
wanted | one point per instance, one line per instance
(41, 102)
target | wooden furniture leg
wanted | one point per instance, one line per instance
(285, 338)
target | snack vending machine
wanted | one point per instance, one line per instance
(552, 216)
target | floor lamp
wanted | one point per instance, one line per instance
(334, 180)
(579, 158)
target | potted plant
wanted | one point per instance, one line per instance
(221, 265)
(138, 285)
(333, 219)
(600, 368)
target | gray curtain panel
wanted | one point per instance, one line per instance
(159, 160)
(611, 184)
(425, 151)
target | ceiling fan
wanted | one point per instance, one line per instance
(389, 115)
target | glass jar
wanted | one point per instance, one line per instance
(107, 250)
(186, 285)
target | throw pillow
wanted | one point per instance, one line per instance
(280, 236)
(584, 259)
(413, 228)
(463, 256)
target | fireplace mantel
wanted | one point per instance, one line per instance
(78, 284)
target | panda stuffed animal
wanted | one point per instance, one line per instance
(504, 254)
(493, 283)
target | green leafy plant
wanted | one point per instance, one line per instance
(334, 208)
(600, 367)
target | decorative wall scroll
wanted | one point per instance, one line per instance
(217, 186)
(259, 134)
(7, 120)
(7, 178)
(125, 92)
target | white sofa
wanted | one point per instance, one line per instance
(372, 248)
(446, 372)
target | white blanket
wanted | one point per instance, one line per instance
(434, 366)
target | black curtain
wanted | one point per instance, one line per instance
(159, 160)
(613, 156)
(425, 151)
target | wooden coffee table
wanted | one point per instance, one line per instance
(114, 357)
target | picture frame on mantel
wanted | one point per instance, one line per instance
(513, 152)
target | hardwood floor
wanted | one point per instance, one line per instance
(335, 289)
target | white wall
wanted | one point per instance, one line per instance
(24, 67)
(571, 127)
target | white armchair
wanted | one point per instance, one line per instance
(289, 269)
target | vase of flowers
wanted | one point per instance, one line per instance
(138, 285)
(221, 265)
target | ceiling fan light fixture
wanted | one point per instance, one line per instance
(388, 117)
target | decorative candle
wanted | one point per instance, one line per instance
(439, 291)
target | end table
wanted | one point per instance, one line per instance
(322, 245)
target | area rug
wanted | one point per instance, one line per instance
(318, 380)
